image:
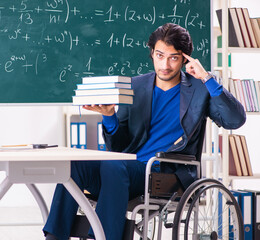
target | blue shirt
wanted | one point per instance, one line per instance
(165, 126)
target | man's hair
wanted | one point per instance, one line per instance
(172, 34)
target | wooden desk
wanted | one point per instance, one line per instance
(52, 165)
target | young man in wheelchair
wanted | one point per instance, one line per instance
(168, 114)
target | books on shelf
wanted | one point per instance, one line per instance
(239, 159)
(104, 90)
(234, 34)
(243, 30)
(247, 91)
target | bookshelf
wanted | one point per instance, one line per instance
(225, 50)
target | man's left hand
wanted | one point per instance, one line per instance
(194, 67)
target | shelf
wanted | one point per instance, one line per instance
(252, 113)
(255, 176)
(240, 50)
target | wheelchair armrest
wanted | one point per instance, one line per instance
(176, 156)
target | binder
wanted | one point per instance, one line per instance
(82, 130)
(247, 209)
(256, 213)
(100, 140)
(236, 194)
(74, 136)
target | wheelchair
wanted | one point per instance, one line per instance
(207, 210)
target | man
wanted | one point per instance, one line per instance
(168, 114)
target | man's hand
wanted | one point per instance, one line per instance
(106, 110)
(194, 67)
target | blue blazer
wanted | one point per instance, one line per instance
(196, 105)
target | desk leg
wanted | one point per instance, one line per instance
(4, 187)
(40, 201)
(91, 215)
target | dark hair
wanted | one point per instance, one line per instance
(172, 34)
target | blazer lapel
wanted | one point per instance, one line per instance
(186, 93)
(147, 101)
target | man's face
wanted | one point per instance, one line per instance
(167, 61)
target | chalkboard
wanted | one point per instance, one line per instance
(46, 47)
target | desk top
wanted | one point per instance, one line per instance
(61, 154)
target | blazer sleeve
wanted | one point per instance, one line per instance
(226, 111)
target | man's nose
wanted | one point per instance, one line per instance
(166, 63)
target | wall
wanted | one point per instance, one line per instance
(30, 124)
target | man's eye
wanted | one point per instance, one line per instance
(159, 55)
(174, 58)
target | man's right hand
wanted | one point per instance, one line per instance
(106, 110)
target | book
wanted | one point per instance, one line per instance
(241, 155)
(232, 89)
(102, 99)
(249, 28)
(246, 154)
(243, 27)
(254, 94)
(106, 79)
(239, 92)
(104, 85)
(90, 92)
(235, 38)
(257, 88)
(256, 29)
(247, 96)
(234, 164)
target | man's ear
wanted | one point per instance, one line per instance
(151, 53)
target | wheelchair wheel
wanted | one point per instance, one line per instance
(207, 211)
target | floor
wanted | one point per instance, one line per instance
(25, 223)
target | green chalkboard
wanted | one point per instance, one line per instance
(47, 46)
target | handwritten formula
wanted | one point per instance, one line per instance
(51, 45)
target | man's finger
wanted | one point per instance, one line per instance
(187, 57)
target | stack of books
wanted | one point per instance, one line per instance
(239, 159)
(243, 30)
(104, 90)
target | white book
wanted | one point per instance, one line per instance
(91, 92)
(106, 79)
(102, 99)
(104, 85)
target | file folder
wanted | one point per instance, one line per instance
(255, 213)
(82, 129)
(74, 136)
(246, 209)
(100, 140)
(236, 194)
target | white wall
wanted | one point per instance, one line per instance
(25, 125)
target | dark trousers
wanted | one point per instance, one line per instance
(112, 182)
